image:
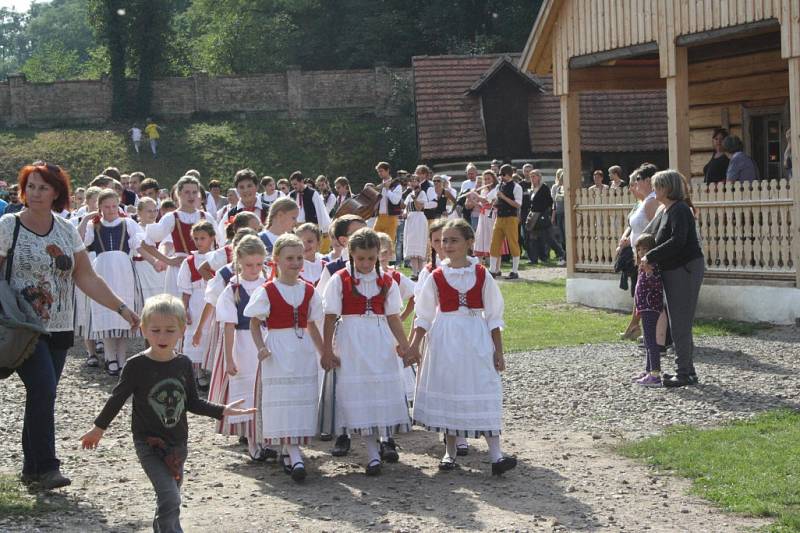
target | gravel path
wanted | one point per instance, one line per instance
(565, 410)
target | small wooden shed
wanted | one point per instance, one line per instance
(722, 63)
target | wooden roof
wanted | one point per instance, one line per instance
(449, 122)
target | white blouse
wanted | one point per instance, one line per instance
(463, 279)
(368, 287)
(214, 289)
(158, 231)
(185, 275)
(259, 305)
(226, 306)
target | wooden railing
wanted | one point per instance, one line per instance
(745, 230)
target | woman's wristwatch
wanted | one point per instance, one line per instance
(121, 308)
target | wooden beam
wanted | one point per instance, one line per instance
(794, 114)
(591, 60)
(678, 115)
(616, 78)
(571, 159)
(726, 34)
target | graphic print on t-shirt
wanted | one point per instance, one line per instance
(168, 400)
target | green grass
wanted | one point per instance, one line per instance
(344, 145)
(537, 317)
(748, 467)
(16, 500)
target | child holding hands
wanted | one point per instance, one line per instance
(162, 385)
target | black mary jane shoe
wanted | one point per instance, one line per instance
(462, 450)
(374, 467)
(113, 372)
(341, 447)
(679, 380)
(389, 451)
(92, 361)
(298, 472)
(503, 465)
(447, 466)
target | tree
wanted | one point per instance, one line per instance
(149, 28)
(110, 25)
(52, 62)
(14, 47)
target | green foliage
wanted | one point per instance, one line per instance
(14, 46)
(52, 62)
(747, 467)
(347, 146)
(61, 22)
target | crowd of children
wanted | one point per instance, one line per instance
(289, 344)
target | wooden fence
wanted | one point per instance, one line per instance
(745, 229)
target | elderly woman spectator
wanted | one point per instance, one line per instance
(716, 169)
(741, 166)
(49, 259)
(638, 219)
(679, 257)
(557, 192)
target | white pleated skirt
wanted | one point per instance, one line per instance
(242, 385)
(415, 235)
(197, 354)
(370, 396)
(116, 268)
(152, 282)
(287, 389)
(459, 392)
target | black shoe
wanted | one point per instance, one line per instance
(462, 450)
(414, 278)
(266, 454)
(691, 379)
(447, 466)
(496, 275)
(325, 437)
(112, 368)
(341, 447)
(513, 275)
(298, 472)
(503, 465)
(374, 468)
(389, 451)
(53, 480)
(28, 479)
(677, 381)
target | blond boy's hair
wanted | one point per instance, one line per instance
(166, 305)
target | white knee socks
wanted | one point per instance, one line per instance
(515, 263)
(373, 450)
(449, 449)
(494, 264)
(495, 453)
(294, 454)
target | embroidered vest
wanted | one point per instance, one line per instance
(226, 273)
(335, 266)
(281, 314)
(268, 244)
(307, 204)
(450, 299)
(235, 210)
(503, 209)
(394, 209)
(182, 235)
(358, 304)
(191, 262)
(110, 239)
(243, 300)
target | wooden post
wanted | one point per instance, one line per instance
(794, 118)
(678, 115)
(571, 159)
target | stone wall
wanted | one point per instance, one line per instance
(292, 94)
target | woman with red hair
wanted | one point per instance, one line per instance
(48, 260)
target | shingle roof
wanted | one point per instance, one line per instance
(449, 123)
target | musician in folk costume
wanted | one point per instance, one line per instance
(312, 206)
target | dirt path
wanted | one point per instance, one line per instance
(561, 429)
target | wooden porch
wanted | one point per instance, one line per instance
(722, 63)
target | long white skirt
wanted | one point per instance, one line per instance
(152, 282)
(83, 314)
(459, 392)
(415, 235)
(171, 279)
(242, 385)
(483, 234)
(197, 354)
(370, 393)
(287, 390)
(116, 268)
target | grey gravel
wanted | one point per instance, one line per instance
(566, 408)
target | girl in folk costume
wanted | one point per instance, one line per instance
(151, 271)
(193, 288)
(483, 197)
(246, 183)
(270, 194)
(313, 262)
(241, 354)
(415, 244)
(287, 390)
(331, 201)
(83, 312)
(178, 225)
(282, 219)
(459, 392)
(370, 396)
(224, 254)
(214, 359)
(113, 239)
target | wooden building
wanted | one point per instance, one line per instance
(482, 107)
(722, 63)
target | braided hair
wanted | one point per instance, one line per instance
(365, 239)
(436, 225)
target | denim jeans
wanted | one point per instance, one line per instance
(40, 374)
(168, 490)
